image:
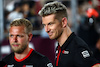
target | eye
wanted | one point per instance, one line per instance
(19, 36)
(49, 24)
(10, 35)
(43, 24)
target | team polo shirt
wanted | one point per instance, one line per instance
(33, 59)
(74, 53)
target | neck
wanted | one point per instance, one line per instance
(66, 33)
(23, 54)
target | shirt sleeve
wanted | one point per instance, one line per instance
(2, 63)
(45, 62)
(84, 58)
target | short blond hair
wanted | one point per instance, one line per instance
(56, 8)
(23, 22)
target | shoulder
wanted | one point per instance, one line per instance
(79, 43)
(75, 41)
(42, 60)
(8, 57)
(83, 53)
(80, 46)
(37, 54)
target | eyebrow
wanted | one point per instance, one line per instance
(47, 23)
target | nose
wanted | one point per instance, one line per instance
(15, 39)
(47, 28)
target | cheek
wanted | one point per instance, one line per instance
(10, 40)
(23, 40)
(54, 28)
(58, 29)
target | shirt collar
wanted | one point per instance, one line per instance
(69, 39)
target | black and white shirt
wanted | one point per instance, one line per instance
(74, 53)
(33, 59)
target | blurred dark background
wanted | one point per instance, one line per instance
(83, 19)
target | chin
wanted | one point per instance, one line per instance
(51, 38)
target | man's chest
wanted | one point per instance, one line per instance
(65, 58)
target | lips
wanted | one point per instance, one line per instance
(15, 45)
(50, 34)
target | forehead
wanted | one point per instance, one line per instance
(48, 18)
(17, 29)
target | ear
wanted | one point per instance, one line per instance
(64, 22)
(30, 35)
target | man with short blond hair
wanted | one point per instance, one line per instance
(20, 34)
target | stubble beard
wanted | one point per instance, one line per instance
(19, 50)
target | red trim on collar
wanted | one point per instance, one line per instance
(59, 51)
(5, 65)
(20, 60)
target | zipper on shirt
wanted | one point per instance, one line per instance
(59, 51)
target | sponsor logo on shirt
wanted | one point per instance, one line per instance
(29, 66)
(10, 65)
(23, 65)
(49, 65)
(65, 52)
(85, 54)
